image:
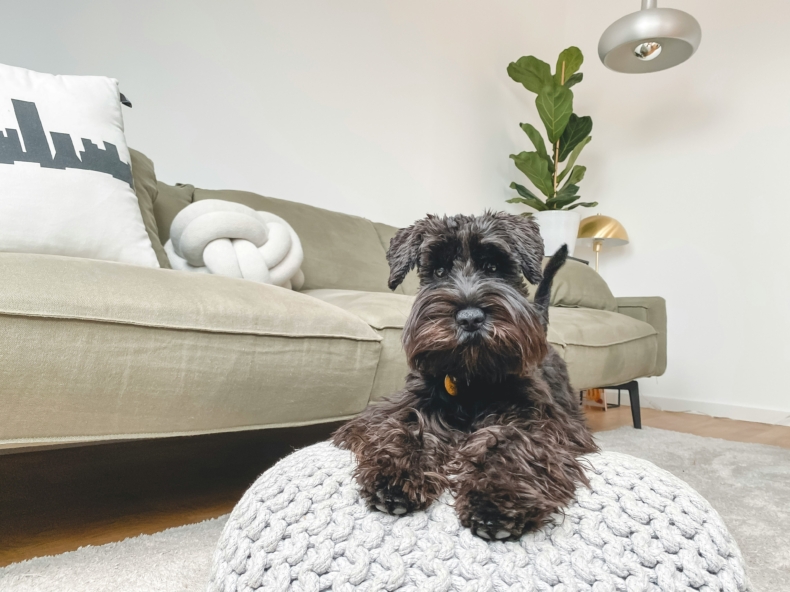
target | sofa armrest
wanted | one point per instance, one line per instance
(653, 311)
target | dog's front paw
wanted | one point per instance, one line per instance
(390, 499)
(486, 520)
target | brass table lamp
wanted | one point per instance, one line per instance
(598, 230)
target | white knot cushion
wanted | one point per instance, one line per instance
(303, 527)
(231, 239)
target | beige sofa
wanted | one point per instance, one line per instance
(96, 351)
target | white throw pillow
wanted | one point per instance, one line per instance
(65, 171)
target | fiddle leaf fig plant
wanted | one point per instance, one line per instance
(567, 133)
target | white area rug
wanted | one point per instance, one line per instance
(174, 560)
(749, 485)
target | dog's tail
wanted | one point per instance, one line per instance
(543, 294)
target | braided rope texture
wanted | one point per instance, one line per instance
(303, 527)
(231, 239)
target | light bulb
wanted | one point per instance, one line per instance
(649, 50)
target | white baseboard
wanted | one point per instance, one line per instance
(740, 412)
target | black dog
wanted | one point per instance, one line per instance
(488, 409)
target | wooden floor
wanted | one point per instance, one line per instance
(53, 501)
(690, 423)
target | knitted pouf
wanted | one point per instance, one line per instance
(303, 526)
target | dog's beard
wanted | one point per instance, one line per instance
(511, 340)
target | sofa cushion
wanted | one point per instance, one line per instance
(386, 313)
(602, 348)
(95, 350)
(146, 190)
(340, 250)
(579, 285)
(170, 200)
(377, 309)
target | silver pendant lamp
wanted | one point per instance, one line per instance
(650, 40)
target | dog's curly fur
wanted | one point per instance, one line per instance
(507, 445)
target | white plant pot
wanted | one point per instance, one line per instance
(558, 227)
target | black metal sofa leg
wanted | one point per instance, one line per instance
(633, 392)
(636, 410)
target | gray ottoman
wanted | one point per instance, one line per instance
(302, 526)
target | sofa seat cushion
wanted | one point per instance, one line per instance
(97, 350)
(602, 348)
(386, 313)
(378, 309)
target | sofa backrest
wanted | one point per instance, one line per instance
(349, 253)
(578, 285)
(341, 251)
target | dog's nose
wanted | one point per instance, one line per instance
(470, 318)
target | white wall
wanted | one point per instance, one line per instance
(383, 109)
(692, 161)
(391, 109)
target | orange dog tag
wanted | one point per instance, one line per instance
(450, 386)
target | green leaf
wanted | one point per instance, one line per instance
(536, 204)
(574, 155)
(577, 129)
(567, 191)
(540, 145)
(565, 196)
(577, 174)
(536, 169)
(533, 73)
(573, 59)
(563, 203)
(575, 79)
(535, 137)
(527, 197)
(523, 191)
(555, 106)
(584, 204)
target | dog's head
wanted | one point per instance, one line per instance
(471, 318)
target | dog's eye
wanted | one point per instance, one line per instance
(440, 272)
(490, 267)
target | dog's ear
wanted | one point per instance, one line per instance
(403, 254)
(524, 237)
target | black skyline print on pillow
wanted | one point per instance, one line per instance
(92, 158)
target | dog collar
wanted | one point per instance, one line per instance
(450, 385)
